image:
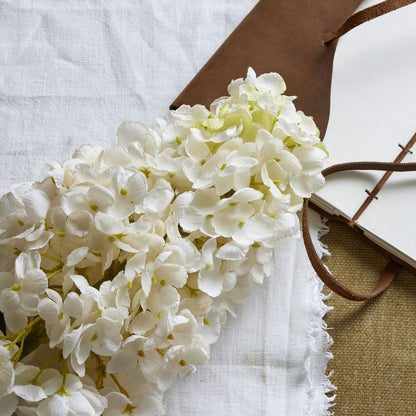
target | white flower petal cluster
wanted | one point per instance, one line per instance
(124, 263)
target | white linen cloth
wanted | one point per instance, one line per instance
(70, 73)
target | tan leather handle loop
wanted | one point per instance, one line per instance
(366, 15)
(392, 268)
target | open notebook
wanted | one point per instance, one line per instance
(373, 117)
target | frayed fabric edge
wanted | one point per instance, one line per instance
(321, 391)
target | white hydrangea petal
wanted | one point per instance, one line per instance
(271, 147)
(226, 221)
(97, 402)
(30, 392)
(287, 224)
(271, 82)
(71, 340)
(173, 274)
(234, 87)
(157, 200)
(246, 195)
(168, 298)
(116, 401)
(289, 162)
(50, 380)
(131, 131)
(23, 263)
(36, 204)
(164, 299)
(196, 149)
(229, 281)
(192, 220)
(82, 283)
(6, 372)
(210, 282)
(243, 163)
(312, 159)
(208, 250)
(76, 256)
(241, 180)
(55, 405)
(57, 217)
(151, 365)
(9, 300)
(29, 303)
(100, 196)
(57, 332)
(8, 404)
(142, 323)
(137, 187)
(76, 200)
(272, 171)
(257, 228)
(148, 405)
(197, 355)
(307, 124)
(116, 156)
(121, 362)
(36, 280)
(84, 346)
(15, 319)
(224, 184)
(166, 378)
(304, 185)
(72, 305)
(107, 224)
(48, 310)
(80, 406)
(79, 223)
(231, 251)
(146, 281)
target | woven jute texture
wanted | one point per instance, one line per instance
(375, 341)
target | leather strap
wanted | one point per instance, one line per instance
(392, 267)
(366, 15)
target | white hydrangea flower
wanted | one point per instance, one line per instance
(57, 314)
(7, 373)
(124, 262)
(20, 299)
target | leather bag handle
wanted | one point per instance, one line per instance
(392, 268)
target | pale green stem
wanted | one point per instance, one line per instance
(22, 332)
(54, 274)
(51, 257)
(120, 387)
(62, 390)
(43, 368)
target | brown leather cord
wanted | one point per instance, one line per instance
(373, 194)
(392, 267)
(366, 15)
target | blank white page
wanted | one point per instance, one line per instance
(373, 102)
(392, 217)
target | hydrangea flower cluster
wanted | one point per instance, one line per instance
(119, 269)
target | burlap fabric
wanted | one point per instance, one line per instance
(374, 341)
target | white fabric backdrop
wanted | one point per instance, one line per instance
(70, 73)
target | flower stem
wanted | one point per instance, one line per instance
(51, 257)
(101, 372)
(43, 368)
(17, 355)
(54, 274)
(62, 390)
(23, 331)
(120, 387)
